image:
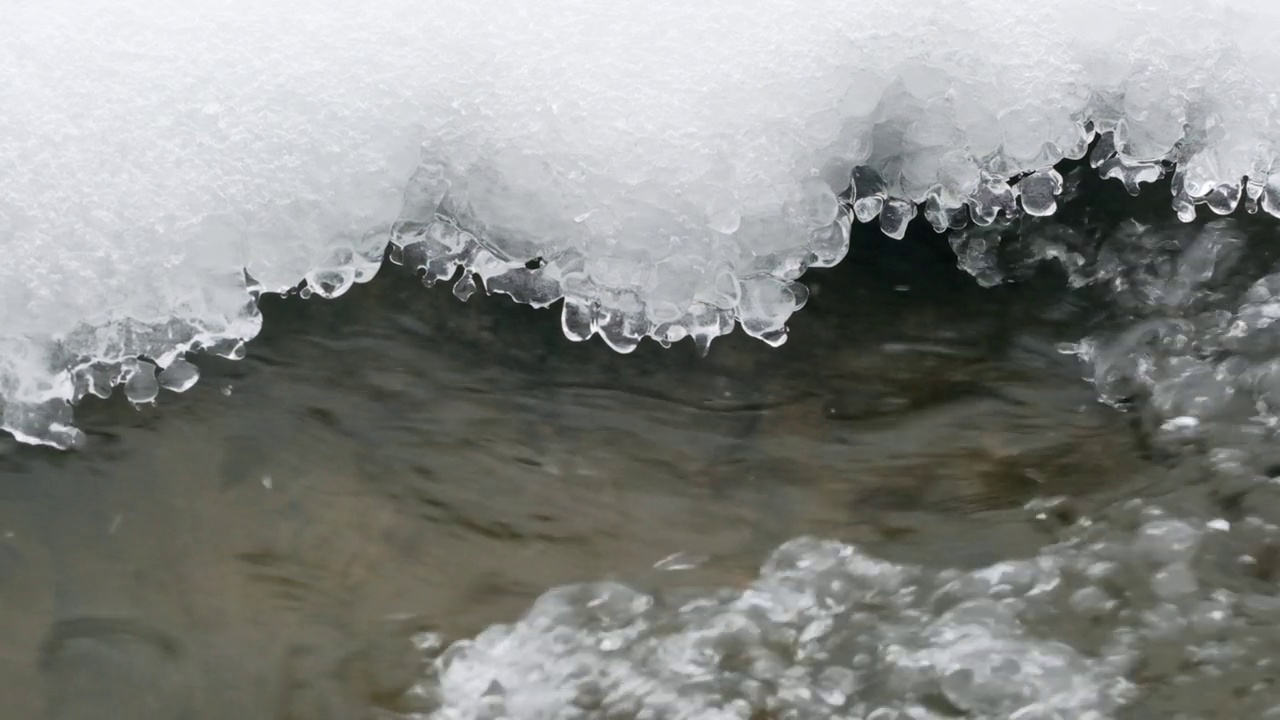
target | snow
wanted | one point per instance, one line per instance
(669, 168)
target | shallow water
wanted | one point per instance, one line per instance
(264, 545)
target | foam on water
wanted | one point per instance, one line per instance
(668, 169)
(1137, 609)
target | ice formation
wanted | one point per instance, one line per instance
(828, 631)
(668, 169)
(1186, 335)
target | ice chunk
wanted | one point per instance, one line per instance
(894, 217)
(1037, 191)
(977, 254)
(161, 164)
(140, 385)
(179, 376)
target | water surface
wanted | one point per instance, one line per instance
(264, 545)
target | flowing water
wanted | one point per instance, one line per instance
(394, 463)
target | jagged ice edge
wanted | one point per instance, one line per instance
(438, 247)
(437, 244)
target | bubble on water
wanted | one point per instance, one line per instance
(1167, 542)
(1174, 581)
(1092, 601)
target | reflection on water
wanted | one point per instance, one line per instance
(264, 545)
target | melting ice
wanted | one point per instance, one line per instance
(667, 169)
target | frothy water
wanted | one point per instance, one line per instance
(1187, 340)
(667, 170)
(395, 471)
(828, 631)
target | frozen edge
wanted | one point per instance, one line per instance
(49, 421)
(437, 244)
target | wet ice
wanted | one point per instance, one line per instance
(665, 164)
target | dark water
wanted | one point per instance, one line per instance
(264, 545)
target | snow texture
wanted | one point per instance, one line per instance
(667, 169)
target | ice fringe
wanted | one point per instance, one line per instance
(669, 169)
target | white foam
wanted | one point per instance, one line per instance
(1087, 627)
(675, 165)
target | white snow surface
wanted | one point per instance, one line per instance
(669, 168)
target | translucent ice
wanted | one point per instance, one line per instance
(667, 169)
